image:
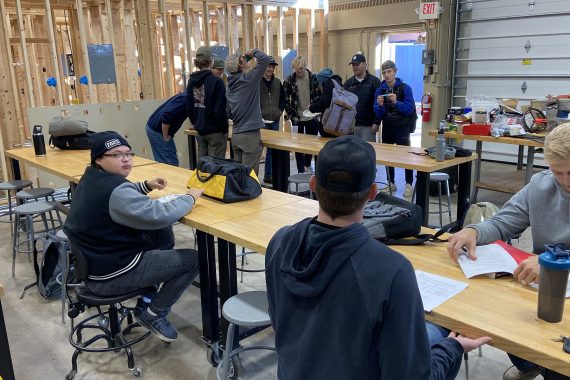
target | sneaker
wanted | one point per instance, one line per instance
(514, 373)
(309, 170)
(159, 326)
(408, 191)
(393, 187)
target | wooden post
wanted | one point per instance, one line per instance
(310, 34)
(197, 31)
(265, 29)
(62, 49)
(148, 51)
(280, 43)
(83, 37)
(131, 60)
(220, 27)
(96, 37)
(206, 22)
(114, 15)
(37, 61)
(25, 57)
(296, 30)
(188, 37)
(175, 43)
(234, 39)
(246, 26)
(167, 49)
(324, 36)
(53, 52)
(227, 26)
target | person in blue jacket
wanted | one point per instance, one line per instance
(343, 305)
(161, 126)
(396, 109)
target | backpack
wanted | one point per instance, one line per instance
(71, 142)
(68, 134)
(339, 118)
(54, 257)
(479, 212)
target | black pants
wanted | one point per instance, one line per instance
(390, 139)
(309, 127)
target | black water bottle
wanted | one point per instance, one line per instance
(39, 142)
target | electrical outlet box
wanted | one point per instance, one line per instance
(428, 57)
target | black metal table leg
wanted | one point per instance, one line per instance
(228, 281)
(529, 164)
(422, 195)
(208, 287)
(281, 169)
(192, 160)
(16, 169)
(464, 189)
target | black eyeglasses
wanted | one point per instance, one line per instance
(120, 155)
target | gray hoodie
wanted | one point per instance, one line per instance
(243, 96)
(542, 205)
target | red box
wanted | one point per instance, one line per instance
(477, 129)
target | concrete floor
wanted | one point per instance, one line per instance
(40, 348)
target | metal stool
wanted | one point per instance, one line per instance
(24, 223)
(248, 309)
(298, 179)
(35, 194)
(14, 186)
(62, 278)
(439, 177)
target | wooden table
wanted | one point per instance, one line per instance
(6, 367)
(532, 144)
(386, 154)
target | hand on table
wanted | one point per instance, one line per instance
(156, 183)
(195, 193)
(528, 271)
(467, 238)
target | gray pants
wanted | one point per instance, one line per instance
(247, 148)
(175, 269)
(365, 133)
(213, 145)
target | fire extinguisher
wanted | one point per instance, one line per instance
(426, 107)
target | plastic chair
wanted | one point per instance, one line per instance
(249, 309)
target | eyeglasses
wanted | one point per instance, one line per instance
(120, 155)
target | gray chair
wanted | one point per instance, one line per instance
(9, 187)
(249, 309)
(38, 193)
(297, 179)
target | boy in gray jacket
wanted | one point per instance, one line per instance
(243, 105)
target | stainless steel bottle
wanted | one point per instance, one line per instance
(440, 142)
(39, 142)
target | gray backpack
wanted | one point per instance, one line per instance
(480, 212)
(339, 118)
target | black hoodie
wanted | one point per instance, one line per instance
(207, 103)
(345, 306)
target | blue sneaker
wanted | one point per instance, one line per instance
(159, 326)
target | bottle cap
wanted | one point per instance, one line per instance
(555, 257)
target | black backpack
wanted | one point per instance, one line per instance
(52, 265)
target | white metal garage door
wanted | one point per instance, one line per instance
(511, 49)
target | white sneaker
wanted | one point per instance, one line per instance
(514, 374)
(309, 170)
(408, 191)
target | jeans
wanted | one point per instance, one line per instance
(521, 364)
(175, 269)
(268, 162)
(247, 148)
(309, 127)
(387, 139)
(213, 145)
(163, 151)
(435, 335)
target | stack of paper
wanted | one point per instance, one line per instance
(492, 259)
(435, 289)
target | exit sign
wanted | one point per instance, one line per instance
(429, 10)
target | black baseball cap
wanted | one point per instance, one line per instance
(272, 61)
(349, 154)
(357, 59)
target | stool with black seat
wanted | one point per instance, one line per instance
(41, 193)
(107, 322)
(13, 186)
(249, 309)
(297, 179)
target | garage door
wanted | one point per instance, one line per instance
(511, 49)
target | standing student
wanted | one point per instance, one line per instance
(325, 77)
(207, 106)
(396, 109)
(162, 125)
(301, 89)
(244, 106)
(272, 97)
(343, 305)
(363, 84)
(126, 237)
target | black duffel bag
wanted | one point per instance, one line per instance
(68, 134)
(71, 142)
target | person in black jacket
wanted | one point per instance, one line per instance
(207, 106)
(325, 77)
(343, 305)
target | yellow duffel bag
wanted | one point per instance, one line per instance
(225, 180)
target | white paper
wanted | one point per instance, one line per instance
(309, 114)
(435, 289)
(491, 258)
(168, 198)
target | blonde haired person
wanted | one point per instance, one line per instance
(301, 90)
(544, 205)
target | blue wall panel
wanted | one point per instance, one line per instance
(410, 68)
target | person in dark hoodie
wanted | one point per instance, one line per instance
(325, 78)
(207, 106)
(343, 305)
(272, 97)
(244, 107)
(126, 237)
(161, 126)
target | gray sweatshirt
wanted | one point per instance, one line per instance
(243, 96)
(542, 205)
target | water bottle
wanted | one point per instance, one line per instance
(440, 142)
(554, 266)
(39, 142)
